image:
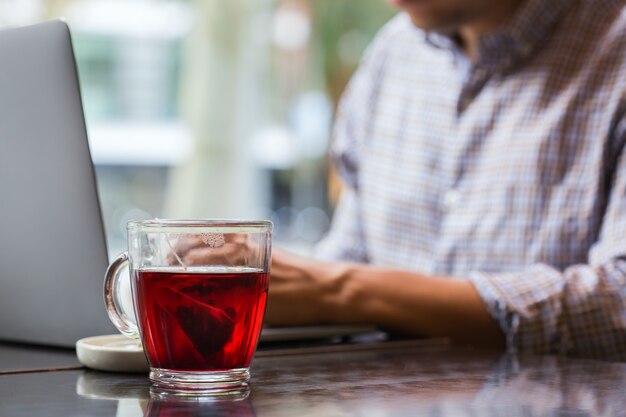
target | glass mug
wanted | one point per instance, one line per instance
(199, 292)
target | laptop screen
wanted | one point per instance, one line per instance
(53, 254)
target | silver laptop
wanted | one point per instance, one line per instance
(52, 245)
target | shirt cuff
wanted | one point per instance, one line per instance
(527, 305)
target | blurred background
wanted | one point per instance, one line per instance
(213, 108)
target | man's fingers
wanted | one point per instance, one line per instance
(185, 243)
(203, 256)
(230, 254)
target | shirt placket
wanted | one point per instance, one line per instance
(461, 146)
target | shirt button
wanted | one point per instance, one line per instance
(451, 199)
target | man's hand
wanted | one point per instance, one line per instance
(301, 290)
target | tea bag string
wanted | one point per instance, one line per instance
(167, 239)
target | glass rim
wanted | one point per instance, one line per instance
(214, 225)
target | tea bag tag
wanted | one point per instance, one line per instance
(112, 353)
(213, 240)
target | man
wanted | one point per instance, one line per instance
(481, 143)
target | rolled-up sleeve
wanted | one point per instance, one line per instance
(580, 311)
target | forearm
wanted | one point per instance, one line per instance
(306, 291)
(409, 303)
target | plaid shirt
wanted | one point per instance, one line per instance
(509, 171)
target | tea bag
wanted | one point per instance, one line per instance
(207, 327)
(179, 350)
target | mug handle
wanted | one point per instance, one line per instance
(112, 298)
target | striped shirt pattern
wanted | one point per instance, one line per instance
(509, 171)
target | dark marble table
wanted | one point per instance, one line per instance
(378, 380)
(17, 358)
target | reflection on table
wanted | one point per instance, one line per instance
(386, 380)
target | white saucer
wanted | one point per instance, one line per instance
(114, 353)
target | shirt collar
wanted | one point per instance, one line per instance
(516, 41)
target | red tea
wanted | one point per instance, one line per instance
(200, 318)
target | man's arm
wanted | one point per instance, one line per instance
(307, 291)
(579, 311)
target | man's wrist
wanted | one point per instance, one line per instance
(339, 295)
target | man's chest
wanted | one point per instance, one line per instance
(493, 186)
